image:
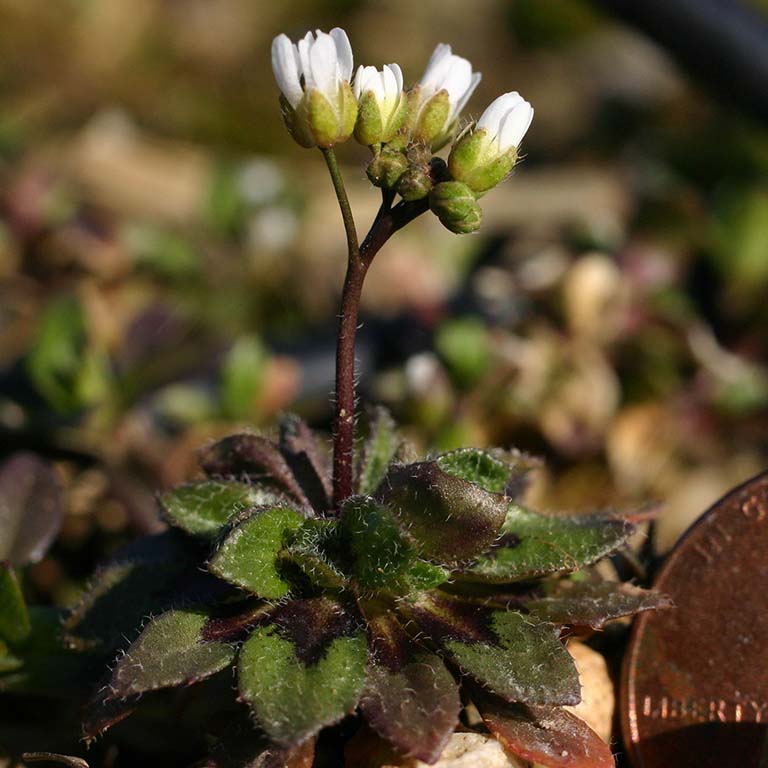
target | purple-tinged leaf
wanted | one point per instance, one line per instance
(410, 698)
(379, 451)
(547, 736)
(305, 457)
(446, 518)
(101, 713)
(304, 671)
(588, 604)
(250, 555)
(503, 472)
(53, 757)
(519, 658)
(533, 545)
(14, 616)
(169, 652)
(237, 622)
(254, 458)
(31, 509)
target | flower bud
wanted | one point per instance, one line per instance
(436, 101)
(415, 183)
(386, 168)
(485, 154)
(455, 205)
(318, 105)
(382, 104)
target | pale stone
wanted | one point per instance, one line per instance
(597, 696)
(470, 750)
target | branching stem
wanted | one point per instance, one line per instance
(388, 220)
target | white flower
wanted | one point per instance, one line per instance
(314, 77)
(506, 120)
(441, 95)
(382, 103)
(485, 153)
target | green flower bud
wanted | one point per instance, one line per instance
(386, 168)
(430, 120)
(455, 205)
(383, 105)
(415, 183)
(484, 155)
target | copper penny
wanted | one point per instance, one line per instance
(695, 682)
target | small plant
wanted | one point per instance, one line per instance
(399, 588)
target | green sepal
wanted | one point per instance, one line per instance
(14, 616)
(304, 671)
(297, 122)
(386, 168)
(250, 554)
(169, 652)
(446, 518)
(369, 128)
(415, 183)
(203, 508)
(474, 162)
(534, 545)
(316, 550)
(455, 205)
(379, 450)
(429, 120)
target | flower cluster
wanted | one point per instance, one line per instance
(323, 106)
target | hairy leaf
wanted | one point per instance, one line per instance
(304, 456)
(169, 652)
(547, 736)
(446, 518)
(250, 553)
(316, 550)
(14, 617)
(304, 671)
(146, 577)
(495, 471)
(256, 459)
(409, 698)
(518, 657)
(203, 508)
(535, 545)
(587, 604)
(31, 509)
(378, 452)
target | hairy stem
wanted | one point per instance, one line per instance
(387, 222)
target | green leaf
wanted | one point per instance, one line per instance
(242, 377)
(535, 545)
(495, 471)
(169, 652)
(8, 661)
(251, 553)
(517, 657)
(65, 369)
(547, 736)
(257, 459)
(305, 671)
(14, 617)
(31, 509)
(316, 550)
(446, 518)
(409, 698)
(379, 450)
(587, 604)
(203, 508)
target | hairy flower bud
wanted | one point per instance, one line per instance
(484, 154)
(318, 105)
(415, 183)
(382, 103)
(435, 103)
(386, 168)
(455, 205)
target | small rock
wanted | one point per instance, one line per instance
(597, 696)
(471, 750)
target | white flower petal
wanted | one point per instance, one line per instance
(390, 81)
(476, 78)
(398, 73)
(493, 117)
(516, 125)
(323, 59)
(343, 52)
(437, 69)
(303, 47)
(286, 69)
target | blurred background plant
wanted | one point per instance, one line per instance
(170, 262)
